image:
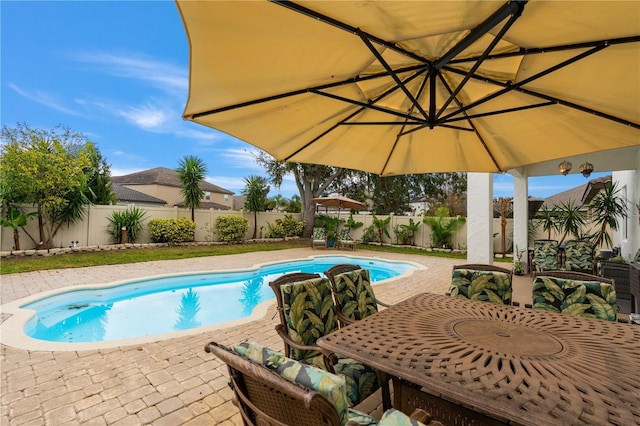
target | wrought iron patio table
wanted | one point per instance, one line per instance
(473, 362)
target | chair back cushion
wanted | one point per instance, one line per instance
(309, 313)
(575, 297)
(318, 234)
(487, 286)
(545, 255)
(344, 235)
(329, 385)
(354, 294)
(578, 256)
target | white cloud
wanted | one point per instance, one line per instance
(44, 98)
(164, 75)
(232, 183)
(242, 158)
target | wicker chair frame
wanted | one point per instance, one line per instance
(574, 275)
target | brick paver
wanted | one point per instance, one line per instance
(168, 382)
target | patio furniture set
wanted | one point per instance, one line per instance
(469, 357)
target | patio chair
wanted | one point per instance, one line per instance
(579, 256)
(319, 238)
(271, 389)
(353, 293)
(545, 255)
(575, 293)
(345, 240)
(307, 312)
(487, 283)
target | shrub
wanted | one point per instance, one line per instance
(291, 226)
(370, 235)
(231, 228)
(172, 230)
(274, 230)
(131, 219)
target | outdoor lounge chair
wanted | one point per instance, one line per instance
(353, 293)
(307, 312)
(575, 293)
(345, 240)
(483, 282)
(578, 256)
(545, 255)
(271, 389)
(319, 238)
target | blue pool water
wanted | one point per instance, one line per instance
(167, 304)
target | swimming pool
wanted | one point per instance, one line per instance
(174, 303)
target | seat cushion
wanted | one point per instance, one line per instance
(309, 312)
(318, 234)
(331, 386)
(355, 294)
(487, 286)
(578, 256)
(394, 417)
(591, 299)
(545, 255)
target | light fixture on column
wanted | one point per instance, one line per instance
(586, 168)
(565, 167)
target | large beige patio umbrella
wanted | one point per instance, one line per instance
(399, 87)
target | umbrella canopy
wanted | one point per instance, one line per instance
(340, 202)
(398, 87)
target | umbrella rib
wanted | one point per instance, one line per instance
(555, 100)
(348, 28)
(481, 59)
(534, 77)
(394, 76)
(503, 111)
(560, 48)
(473, 126)
(351, 80)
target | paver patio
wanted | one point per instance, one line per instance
(168, 382)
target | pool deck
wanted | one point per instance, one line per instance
(168, 382)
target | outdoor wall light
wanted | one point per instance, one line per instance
(565, 167)
(586, 169)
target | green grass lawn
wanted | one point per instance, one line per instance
(77, 260)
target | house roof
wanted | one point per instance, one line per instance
(579, 195)
(127, 194)
(165, 177)
(207, 205)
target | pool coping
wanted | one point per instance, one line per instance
(12, 329)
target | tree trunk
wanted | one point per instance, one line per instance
(40, 244)
(255, 224)
(16, 238)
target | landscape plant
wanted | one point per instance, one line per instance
(15, 217)
(131, 219)
(172, 231)
(49, 169)
(255, 192)
(547, 218)
(443, 227)
(608, 206)
(231, 229)
(405, 232)
(570, 221)
(382, 226)
(191, 171)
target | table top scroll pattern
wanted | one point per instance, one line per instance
(556, 369)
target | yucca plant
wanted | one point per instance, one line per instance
(131, 219)
(608, 207)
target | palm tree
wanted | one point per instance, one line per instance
(570, 221)
(191, 171)
(255, 191)
(548, 218)
(608, 206)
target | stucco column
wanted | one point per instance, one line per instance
(520, 214)
(479, 218)
(627, 237)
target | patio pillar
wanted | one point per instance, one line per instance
(520, 214)
(627, 237)
(479, 218)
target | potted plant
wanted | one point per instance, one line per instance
(332, 236)
(518, 264)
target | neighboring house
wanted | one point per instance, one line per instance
(580, 195)
(238, 202)
(164, 184)
(127, 196)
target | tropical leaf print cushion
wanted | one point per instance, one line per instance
(309, 312)
(355, 295)
(487, 286)
(545, 255)
(579, 256)
(590, 299)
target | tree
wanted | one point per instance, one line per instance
(391, 194)
(311, 179)
(191, 171)
(15, 218)
(548, 219)
(608, 206)
(570, 220)
(255, 191)
(47, 168)
(99, 178)
(443, 227)
(505, 207)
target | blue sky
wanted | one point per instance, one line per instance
(117, 72)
